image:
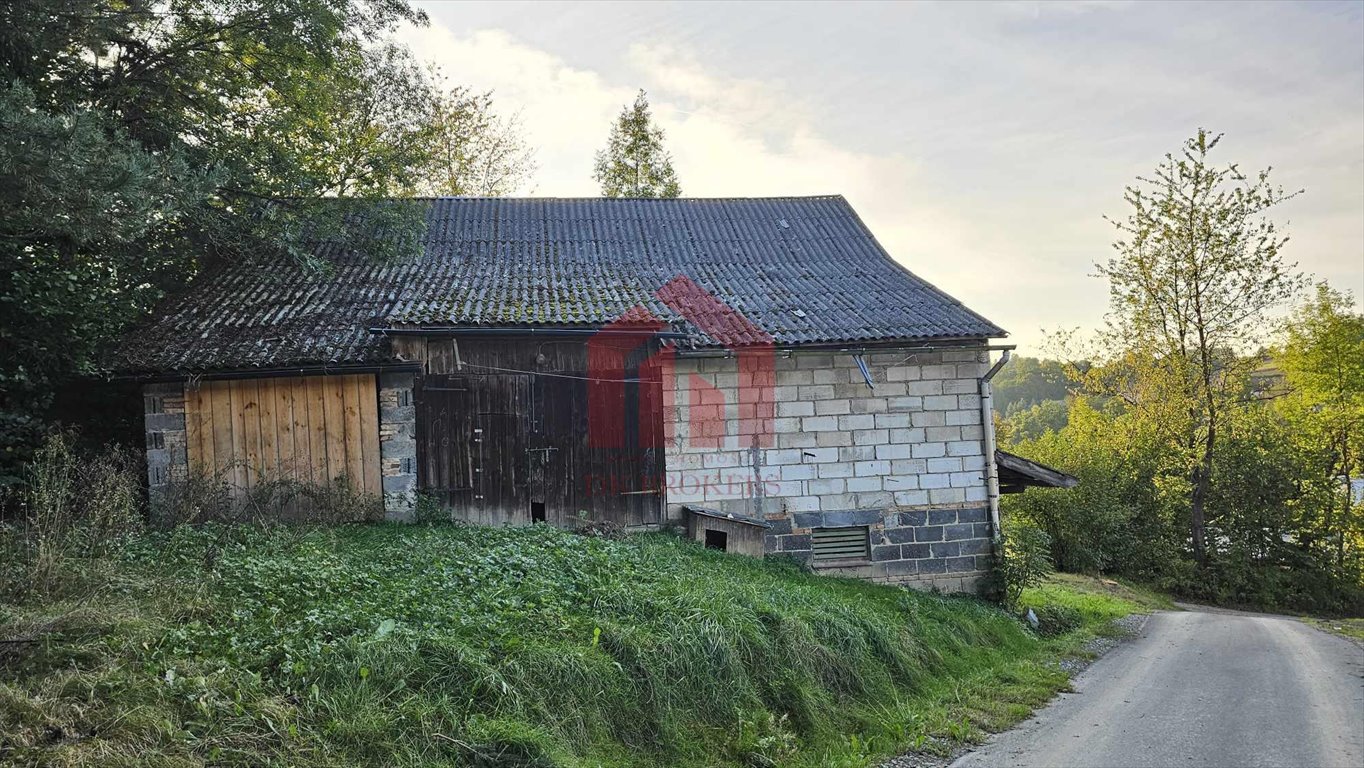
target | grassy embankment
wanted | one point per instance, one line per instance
(449, 645)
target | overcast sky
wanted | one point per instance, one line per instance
(981, 143)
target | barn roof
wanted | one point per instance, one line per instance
(799, 270)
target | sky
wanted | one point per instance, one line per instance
(983, 144)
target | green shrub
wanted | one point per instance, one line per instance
(1024, 562)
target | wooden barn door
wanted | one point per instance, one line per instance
(471, 436)
(515, 448)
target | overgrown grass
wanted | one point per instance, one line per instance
(457, 645)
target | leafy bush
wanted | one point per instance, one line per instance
(1024, 562)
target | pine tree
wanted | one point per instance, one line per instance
(634, 163)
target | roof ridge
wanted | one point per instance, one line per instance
(596, 198)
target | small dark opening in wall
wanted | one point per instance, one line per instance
(537, 511)
(717, 540)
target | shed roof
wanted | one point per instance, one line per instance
(800, 270)
(1017, 474)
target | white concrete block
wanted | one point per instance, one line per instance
(942, 434)
(962, 418)
(944, 465)
(816, 392)
(832, 407)
(825, 486)
(976, 493)
(976, 432)
(836, 469)
(869, 468)
(927, 450)
(870, 436)
(820, 423)
(960, 387)
(967, 479)
(720, 460)
(805, 503)
(819, 455)
(940, 403)
(923, 388)
(892, 451)
(934, 480)
(830, 439)
(928, 419)
(903, 373)
(857, 421)
(914, 435)
(892, 420)
(864, 484)
(797, 471)
(911, 498)
(782, 456)
(909, 466)
(964, 448)
(795, 408)
(947, 496)
(858, 453)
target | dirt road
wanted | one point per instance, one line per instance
(1202, 689)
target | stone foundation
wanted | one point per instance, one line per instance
(164, 422)
(398, 445)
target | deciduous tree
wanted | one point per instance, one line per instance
(1199, 267)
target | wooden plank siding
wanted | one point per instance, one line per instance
(313, 429)
(505, 431)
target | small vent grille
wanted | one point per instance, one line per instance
(839, 543)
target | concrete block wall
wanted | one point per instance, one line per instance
(900, 458)
(398, 445)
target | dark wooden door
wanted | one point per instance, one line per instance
(471, 436)
(512, 448)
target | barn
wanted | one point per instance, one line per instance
(759, 371)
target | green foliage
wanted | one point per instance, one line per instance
(634, 163)
(462, 645)
(1025, 561)
(1028, 381)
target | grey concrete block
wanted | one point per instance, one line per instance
(928, 533)
(809, 519)
(398, 449)
(973, 515)
(914, 551)
(961, 564)
(975, 547)
(885, 552)
(902, 568)
(942, 516)
(932, 566)
(959, 532)
(866, 516)
(914, 517)
(899, 535)
(946, 549)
